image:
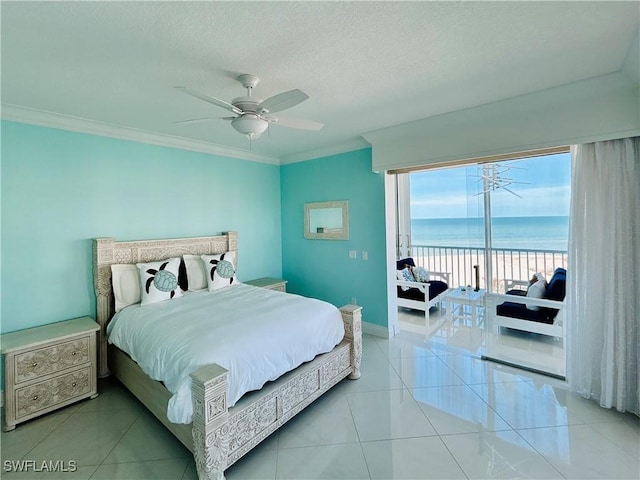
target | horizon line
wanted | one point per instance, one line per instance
(501, 216)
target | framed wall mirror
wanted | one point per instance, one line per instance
(326, 220)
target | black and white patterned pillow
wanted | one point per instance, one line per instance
(159, 280)
(196, 272)
(221, 270)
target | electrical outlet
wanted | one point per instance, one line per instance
(354, 301)
(353, 254)
(365, 255)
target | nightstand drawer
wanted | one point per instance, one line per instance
(40, 396)
(44, 361)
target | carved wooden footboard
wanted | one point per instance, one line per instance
(221, 436)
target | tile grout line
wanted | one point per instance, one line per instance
(116, 443)
(358, 435)
(453, 456)
(46, 436)
(537, 451)
(489, 406)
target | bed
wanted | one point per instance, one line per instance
(219, 434)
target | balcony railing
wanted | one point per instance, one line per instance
(514, 264)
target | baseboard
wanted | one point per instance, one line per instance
(376, 330)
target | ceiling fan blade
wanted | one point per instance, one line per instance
(193, 120)
(282, 101)
(298, 123)
(204, 119)
(208, 99)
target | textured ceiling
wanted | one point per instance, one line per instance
(365, 65)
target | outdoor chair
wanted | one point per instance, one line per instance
(418, 288)
(544, 315)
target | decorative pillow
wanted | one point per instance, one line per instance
(126, 285)
(159, 280)
(536, 290)
(221, 270)
(406, 276)
(421, 274)
(182, 276)
(196, 272)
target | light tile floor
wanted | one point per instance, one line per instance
(482, 337)
(420, 410)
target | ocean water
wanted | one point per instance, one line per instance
(536, 233)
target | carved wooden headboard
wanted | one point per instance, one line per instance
(107, 252)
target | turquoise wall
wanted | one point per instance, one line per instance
(61, 189)
(322, 268)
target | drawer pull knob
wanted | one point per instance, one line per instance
(35, 364)
(73, 384)
(73, 354)
(35, 397)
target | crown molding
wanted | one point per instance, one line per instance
(356, 144)
(43, 118)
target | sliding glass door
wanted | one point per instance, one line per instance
(510, 219)
(529, 223)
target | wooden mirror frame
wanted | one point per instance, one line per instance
(331, 234)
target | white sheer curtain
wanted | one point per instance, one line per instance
(603, 280)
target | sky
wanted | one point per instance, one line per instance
(457, 192)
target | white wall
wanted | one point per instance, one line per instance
(601, 108)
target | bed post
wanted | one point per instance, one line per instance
(102, 260)
(352, 318)
(210, 421)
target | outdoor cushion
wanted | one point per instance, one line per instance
(519, 310)
(556, 289)
(404, 263)
(436, 287)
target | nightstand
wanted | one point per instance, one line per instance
(270, 283)
(48, 367)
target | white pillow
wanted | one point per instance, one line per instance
(537, 290)
(405, 275)
(421, 274)
(221, 270)
(196, 273)
(159, 280)
(126, 285)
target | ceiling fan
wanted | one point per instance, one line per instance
(254, 115)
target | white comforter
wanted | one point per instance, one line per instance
(255, 333)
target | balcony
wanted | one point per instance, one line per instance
(540, 353)
(506, 264)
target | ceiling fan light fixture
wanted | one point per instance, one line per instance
(250, 125)
(252, 120)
